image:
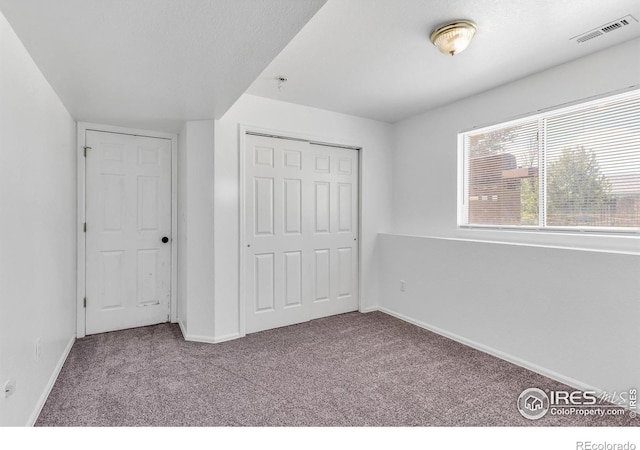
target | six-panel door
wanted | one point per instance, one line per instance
(128, 212)
(301, 210)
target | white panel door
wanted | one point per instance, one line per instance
(301, 260)
(333, 236)
(128, 216)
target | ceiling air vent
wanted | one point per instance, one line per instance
(604, 29)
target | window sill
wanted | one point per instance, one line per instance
(622, 243)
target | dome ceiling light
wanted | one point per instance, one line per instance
(453, 37)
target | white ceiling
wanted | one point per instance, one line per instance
(154, 63)
(373, 58)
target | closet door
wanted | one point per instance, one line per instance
(332, 238)
(301, 209)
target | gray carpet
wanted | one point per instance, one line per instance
(348, 370)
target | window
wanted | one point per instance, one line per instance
(574, 168)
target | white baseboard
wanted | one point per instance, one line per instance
(572, 382)
(199, 338)
(209, 339)
(183, 329)
(369, 309)
(227, 337)
(52, 380)
(206, 339)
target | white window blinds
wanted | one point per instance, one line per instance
(575, 168)
(502, 173)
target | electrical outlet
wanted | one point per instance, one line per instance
(38, 349)
(9, 388)
(403, 285)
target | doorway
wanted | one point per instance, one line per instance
(128, 230)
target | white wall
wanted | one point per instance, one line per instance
(584, 303)
(195, 230)
(287, 119)
(569, 314)
(37, 231)
(182, 290)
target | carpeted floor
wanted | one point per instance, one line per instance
(348, 370)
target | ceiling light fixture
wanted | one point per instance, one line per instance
(453, 37)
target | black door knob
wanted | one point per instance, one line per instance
(165, 240)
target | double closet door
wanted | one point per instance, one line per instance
(301, 231)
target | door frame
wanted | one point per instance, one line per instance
(82, 128)
(243, 129)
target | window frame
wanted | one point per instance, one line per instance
(540, 116)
